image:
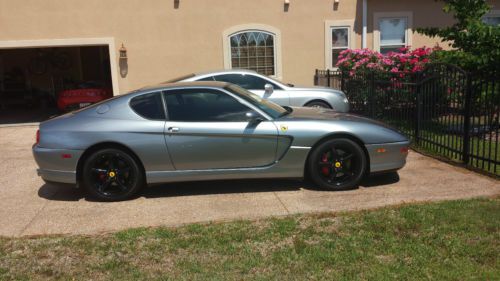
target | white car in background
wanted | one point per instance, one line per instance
(275, 91)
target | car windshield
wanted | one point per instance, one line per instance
(184, 77)
(279, 82)
(270, 108)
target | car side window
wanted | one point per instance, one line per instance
(204, 105)
(149, 106)
(246, 81)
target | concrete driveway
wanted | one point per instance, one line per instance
(28, 206)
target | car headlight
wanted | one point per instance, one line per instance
(346, 100)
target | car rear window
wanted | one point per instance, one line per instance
(149, 106)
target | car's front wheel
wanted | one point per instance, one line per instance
(318, 104)
(112, 175)
(337, 164)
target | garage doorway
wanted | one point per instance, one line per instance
(32, 79)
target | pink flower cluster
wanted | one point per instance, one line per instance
(402, 62)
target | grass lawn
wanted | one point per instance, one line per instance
(455, 240)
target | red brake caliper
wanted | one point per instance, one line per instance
(325, 169)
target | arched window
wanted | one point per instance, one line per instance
(253, 46)
(254, 50)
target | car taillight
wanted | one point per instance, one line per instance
(37, 136)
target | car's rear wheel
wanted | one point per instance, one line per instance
(318, 104)
(337, 164)
(112, 175)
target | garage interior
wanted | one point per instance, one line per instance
(32, 78)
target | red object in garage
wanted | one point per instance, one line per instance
(86, 95)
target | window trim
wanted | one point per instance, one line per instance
(351, 38)
(276, 33)
(376, 30)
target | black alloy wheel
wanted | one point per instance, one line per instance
(112, 175)
(337, 164)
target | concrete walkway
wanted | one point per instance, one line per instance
(28, 206)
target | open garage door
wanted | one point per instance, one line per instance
(37, 83)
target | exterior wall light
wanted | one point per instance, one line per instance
(286, 5)
(123, 52)
(123, 62)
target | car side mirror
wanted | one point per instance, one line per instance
(268, 89)
(254, 117)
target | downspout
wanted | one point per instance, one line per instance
(365, 22)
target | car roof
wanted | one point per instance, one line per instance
(222, 71)
(166, 86)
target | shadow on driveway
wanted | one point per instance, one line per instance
(67, 192)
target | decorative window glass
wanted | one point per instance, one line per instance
(253, 50)
(393, 34)
(340, 42)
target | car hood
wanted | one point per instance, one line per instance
(311, 113)
(313, 89)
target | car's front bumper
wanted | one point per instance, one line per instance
(57, 165)
(387, 156)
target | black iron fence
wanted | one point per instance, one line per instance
(443, 109)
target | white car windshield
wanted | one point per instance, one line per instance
(270, 108)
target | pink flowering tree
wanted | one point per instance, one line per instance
(393, 72)
(404, 62)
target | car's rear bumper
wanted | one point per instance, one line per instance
(387, 156)
(57, 176)
(58, 165)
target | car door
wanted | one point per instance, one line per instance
(256, 85)
(209, 129)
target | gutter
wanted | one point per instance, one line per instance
(365, 22)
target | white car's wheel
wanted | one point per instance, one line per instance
(318, 104)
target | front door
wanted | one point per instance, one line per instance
(211, 129)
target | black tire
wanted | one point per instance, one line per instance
(337, 164)
(112, 175)
(318, 104)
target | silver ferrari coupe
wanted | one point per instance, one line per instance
(207, 131)
(275, 91)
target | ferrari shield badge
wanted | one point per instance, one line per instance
(284, 128)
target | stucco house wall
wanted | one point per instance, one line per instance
(165, 39)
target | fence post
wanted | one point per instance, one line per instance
(342, 81)
(467, 116)
(316, 77)
(328, 78)
(418, 109)
(371, 97)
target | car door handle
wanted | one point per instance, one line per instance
(173, 129)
